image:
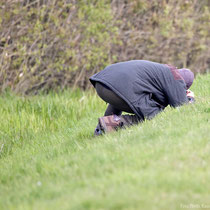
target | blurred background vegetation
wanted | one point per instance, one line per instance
(53, 44)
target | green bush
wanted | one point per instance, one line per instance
(55, 44)
(175, 32)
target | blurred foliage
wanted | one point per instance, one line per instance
(175, 32)
(50, 44)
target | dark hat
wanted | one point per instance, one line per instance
(188, 76)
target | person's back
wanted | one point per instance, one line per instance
(146, 86)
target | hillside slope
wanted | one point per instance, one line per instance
(49, 158)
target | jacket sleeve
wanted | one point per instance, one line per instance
(176, 94)
(147, 106)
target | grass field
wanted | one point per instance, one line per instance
(49, 158)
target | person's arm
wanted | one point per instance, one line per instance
(190, 96)
(176, 94)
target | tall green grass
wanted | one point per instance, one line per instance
(49, 158)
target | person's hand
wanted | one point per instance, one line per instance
(190, 96)
(190, 93)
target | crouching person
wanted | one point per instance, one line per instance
(141, 88)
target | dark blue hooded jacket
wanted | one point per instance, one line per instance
(148, 87)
